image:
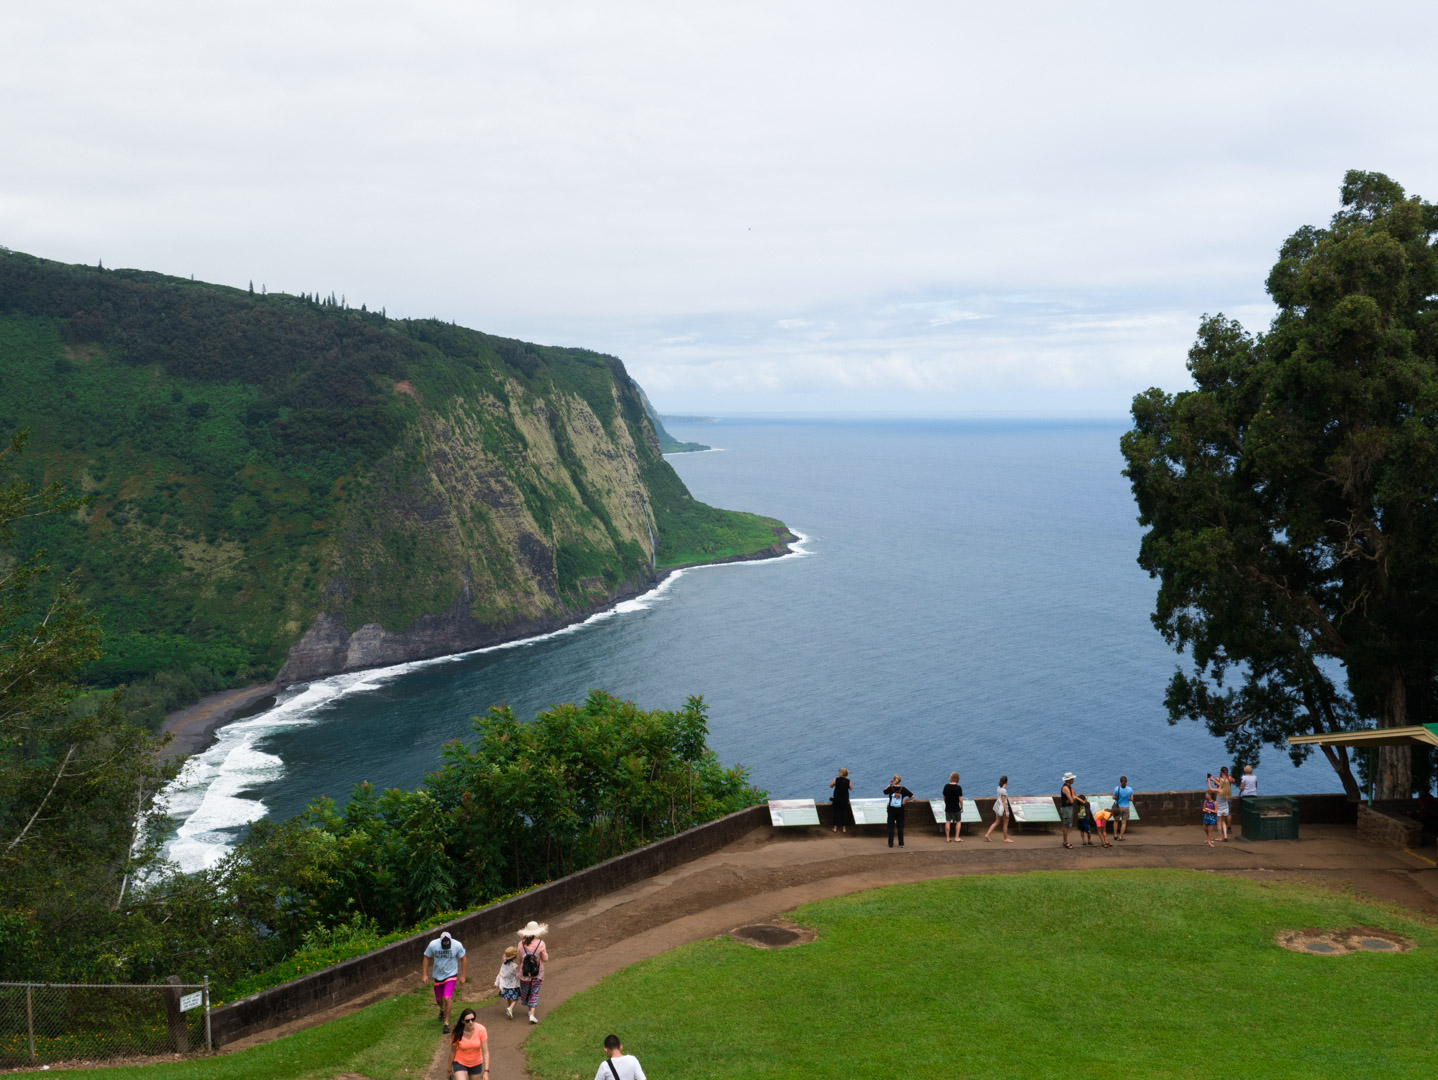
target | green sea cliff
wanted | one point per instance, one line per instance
(285, 486)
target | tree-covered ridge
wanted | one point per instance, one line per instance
(251, 460)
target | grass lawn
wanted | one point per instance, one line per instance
(392, 1039)
(1138, 973)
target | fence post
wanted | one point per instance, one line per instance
(179, 1035)
(30, 1019)
(209, 1045)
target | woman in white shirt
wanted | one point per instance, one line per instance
(1001, 812)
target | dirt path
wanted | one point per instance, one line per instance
(769, 873)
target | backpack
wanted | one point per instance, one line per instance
(530, 968)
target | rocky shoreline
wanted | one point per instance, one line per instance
(326, 648)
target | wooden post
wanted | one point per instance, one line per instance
(179, 1034)
(30, 1019)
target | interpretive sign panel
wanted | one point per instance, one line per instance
(870, 811)
(793, 812)
(971, 811)
(1103, 802)
(1033, 809)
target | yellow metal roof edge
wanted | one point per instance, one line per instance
(1419, 734)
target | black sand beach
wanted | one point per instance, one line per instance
(193, 728)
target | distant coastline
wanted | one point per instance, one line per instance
(195, 728)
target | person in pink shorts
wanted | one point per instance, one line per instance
(450, 966)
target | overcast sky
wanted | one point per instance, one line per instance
(888, 208)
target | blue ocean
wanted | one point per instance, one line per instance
(965, 598)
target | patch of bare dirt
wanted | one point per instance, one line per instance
(777, 933)
(1341, 942)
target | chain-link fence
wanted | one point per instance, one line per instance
(45, 1023)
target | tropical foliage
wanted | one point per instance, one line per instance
(77, 778)
(1291, 498)
(85, 896)
(251, 459)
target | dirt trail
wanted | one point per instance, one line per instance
(770, 872)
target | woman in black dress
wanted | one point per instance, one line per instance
(843, 812)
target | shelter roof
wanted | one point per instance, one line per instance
(1417, 735)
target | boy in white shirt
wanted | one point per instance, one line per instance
(617, 1064)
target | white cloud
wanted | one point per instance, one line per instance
(840, 205)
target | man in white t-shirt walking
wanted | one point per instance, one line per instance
(617, 1064)
(450, 966)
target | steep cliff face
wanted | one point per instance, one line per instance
(282, 483)
(492, 520)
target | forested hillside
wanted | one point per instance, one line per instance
(266, 468)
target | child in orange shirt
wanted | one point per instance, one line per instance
(1101, 818)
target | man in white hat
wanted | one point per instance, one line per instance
(533, 955)
(1068, 800)
(450, 966)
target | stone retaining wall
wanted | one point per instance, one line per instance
(352, 978)
(1378, 826)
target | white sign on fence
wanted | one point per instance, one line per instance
(870, 811)
(191, 1001)
(793, 812)
(1031, 808)
(971, 811)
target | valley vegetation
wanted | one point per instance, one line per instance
(251, 460)
(201, 472)
(86, 897)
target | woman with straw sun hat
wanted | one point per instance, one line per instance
(532, 957)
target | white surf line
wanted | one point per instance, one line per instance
(208, 798)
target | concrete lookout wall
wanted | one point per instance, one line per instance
(1161, 808)
(345, 981)
(333, 986)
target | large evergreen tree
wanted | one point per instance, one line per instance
(1291, 499)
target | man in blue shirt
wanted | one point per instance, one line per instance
(1123, 805)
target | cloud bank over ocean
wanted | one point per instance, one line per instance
(909, 208)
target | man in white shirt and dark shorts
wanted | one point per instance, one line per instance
(617, 1064)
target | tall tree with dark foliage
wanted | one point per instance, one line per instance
(1291, 499)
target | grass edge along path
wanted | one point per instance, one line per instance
(393, 1039)
(1158, 973)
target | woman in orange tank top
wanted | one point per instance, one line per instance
(469, 1048)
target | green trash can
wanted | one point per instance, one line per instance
(1270, 817)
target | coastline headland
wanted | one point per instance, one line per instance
(328, 649)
